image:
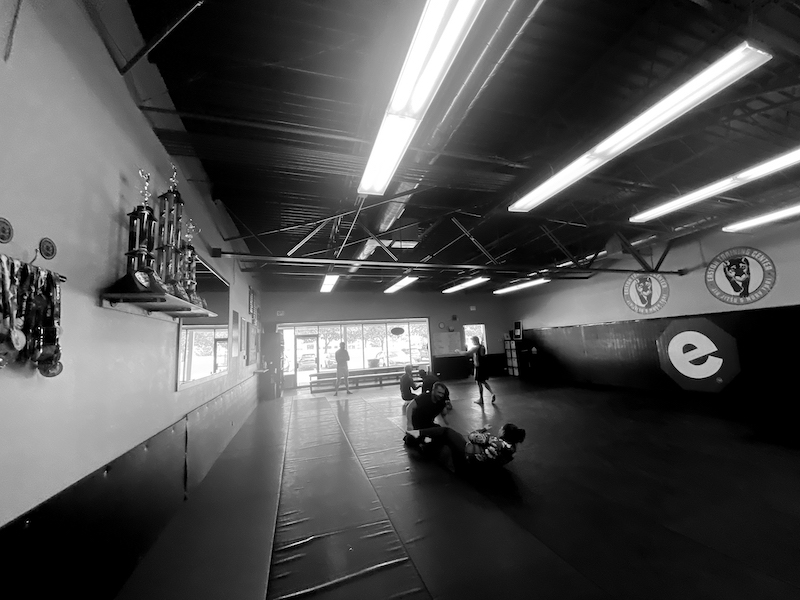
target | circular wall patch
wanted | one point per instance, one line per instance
(645, 293)
(47, 248)
(6, 231)
(740, 275)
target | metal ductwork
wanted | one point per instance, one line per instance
(507, 26)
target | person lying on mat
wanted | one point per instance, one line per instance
(479, 447)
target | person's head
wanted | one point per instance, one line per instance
(439, 392)
(476, 340)
(408, 369)
(341, 345)
(511, 433)
(422, 372)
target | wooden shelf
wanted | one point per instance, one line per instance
(159, 303)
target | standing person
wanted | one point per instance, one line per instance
(478, 352)
(407, 385)
(342, 372)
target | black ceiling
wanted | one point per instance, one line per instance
(281, 102)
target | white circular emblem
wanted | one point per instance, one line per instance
(740, 275)
(645, 293)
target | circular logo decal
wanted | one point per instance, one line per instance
(6, 231)
(645, 293)
(740, 275)
(47, 248)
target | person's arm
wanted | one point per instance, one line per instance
(479, 436)
(410, 415)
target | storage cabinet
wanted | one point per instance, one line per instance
(512, 360)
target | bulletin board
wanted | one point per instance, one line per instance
(447, 343)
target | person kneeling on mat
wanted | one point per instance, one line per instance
(422, 411)
(407, 385)
(480, 447)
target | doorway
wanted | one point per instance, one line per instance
(306, 351)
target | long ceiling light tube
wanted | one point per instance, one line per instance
(768, 167)
(521, 286)
(465, 285)
(770, 217)
(440, 33)
(400, 285)
(719, 75)
(328, 283)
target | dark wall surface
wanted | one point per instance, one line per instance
(754, 381)
(86, 540)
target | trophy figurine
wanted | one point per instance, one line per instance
(168, 252)
(189, 265)
(140, 276)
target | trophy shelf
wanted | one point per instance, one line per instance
(158, 303)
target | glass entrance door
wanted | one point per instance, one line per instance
(306, 352)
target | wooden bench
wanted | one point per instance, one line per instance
(357, 377)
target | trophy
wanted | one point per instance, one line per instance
(140, 276)
(168, 251)
(189, 265)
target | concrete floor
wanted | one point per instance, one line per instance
(610, 496)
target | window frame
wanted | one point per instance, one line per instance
(214, 339)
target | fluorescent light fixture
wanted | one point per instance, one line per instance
(440, 34)
(730, 68)
(643, 240)
(465, 285)
(401, 244)
(777, 215)
(393, 139)
(773, 165)
(328, 283)
(521, 286)
(566, 263)
(400, 285)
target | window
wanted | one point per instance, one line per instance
(203, 352)
(311, 347)
(475, 330)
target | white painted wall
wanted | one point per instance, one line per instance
(600, 299)
(73, 141)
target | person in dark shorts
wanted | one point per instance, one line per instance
(478, 352)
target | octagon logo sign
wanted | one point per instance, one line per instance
(698, 355)
(740, 275)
